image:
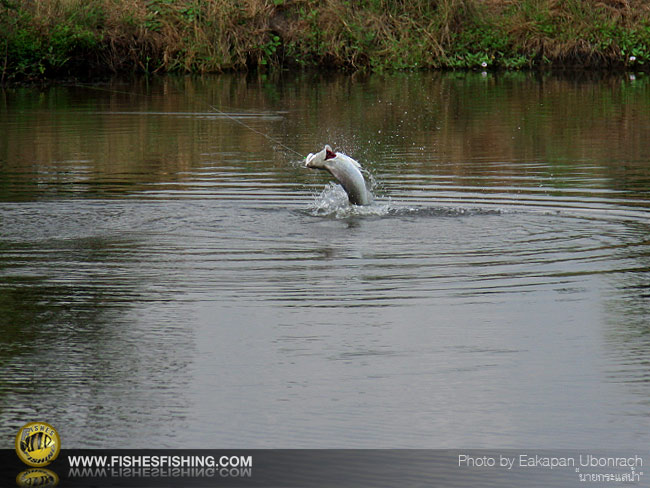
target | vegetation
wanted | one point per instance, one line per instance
(73, 37)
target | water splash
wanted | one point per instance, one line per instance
(333, 202)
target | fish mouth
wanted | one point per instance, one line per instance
(318, 159)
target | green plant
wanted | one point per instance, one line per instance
(269, 50)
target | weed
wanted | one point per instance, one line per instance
(269, 50)
(54, 37)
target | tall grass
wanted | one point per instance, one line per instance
(70, 37)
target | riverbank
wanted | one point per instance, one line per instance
(59, 38)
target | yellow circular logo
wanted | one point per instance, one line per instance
(37, 444)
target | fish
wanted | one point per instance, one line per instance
(346, 170)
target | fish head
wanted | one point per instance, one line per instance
(319, 160)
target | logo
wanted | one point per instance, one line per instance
(37, 444)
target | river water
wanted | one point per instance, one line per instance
(172, 276)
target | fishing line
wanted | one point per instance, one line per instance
(235, 119)
(220, 112)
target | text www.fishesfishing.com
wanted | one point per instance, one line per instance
(153, 466)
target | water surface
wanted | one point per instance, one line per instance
(170, 277)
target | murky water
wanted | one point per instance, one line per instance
(171, 278)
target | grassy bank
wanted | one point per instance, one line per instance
(42, 38)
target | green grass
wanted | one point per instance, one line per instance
(54, 38)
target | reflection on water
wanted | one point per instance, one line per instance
(168, 275)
